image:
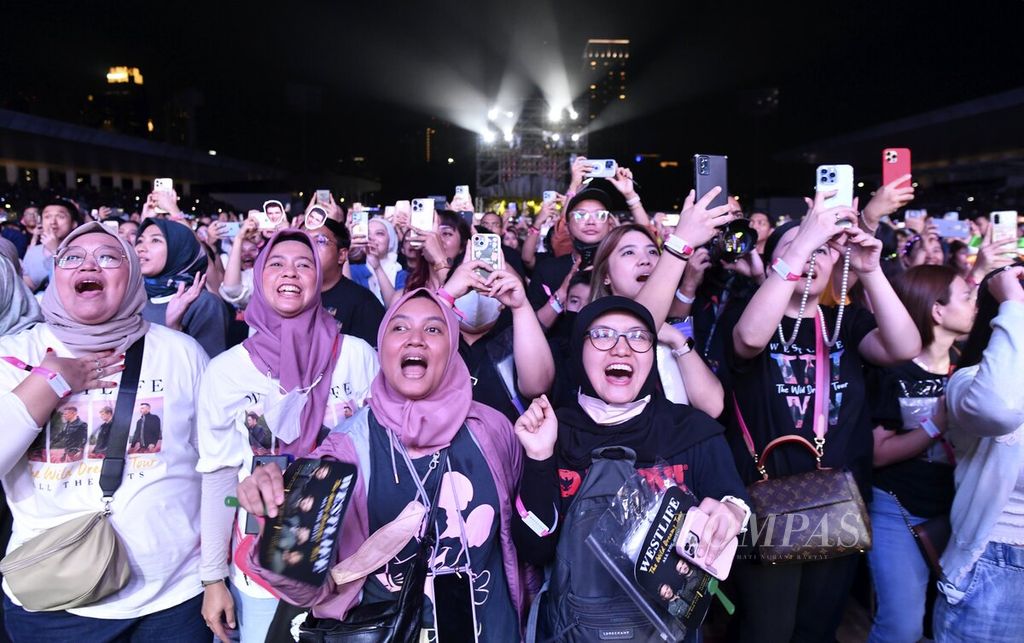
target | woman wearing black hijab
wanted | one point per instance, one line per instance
(619, 404)
(173, 265)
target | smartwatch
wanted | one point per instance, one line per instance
(686, 348)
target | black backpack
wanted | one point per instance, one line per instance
(580, 601)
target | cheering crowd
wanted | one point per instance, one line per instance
(484, 397)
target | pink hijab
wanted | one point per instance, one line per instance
(424, 426)
(294, 350)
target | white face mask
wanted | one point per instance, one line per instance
(479, 311)
(284, 419)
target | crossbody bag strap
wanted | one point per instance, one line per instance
(743, 428)
(822, 377)
(113, 464)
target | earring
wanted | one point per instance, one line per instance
(607, 282)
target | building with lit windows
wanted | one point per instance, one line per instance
(605, 66)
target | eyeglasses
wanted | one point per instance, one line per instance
(323, 241)
(597, 215)
(107, 257)
(605, 339)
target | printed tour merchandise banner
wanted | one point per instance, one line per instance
(300, 542)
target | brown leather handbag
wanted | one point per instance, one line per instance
(816, 515)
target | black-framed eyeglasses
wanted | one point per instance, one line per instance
(597, 215)
(605, 339)
(106, 257)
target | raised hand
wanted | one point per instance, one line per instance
(697, 224)
(182, 300)
(537, 429)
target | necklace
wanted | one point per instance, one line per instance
(803, 305)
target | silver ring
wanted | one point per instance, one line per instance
(99, 371)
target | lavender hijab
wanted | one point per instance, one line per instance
(295, 350)
(429, 424)
(117, 333)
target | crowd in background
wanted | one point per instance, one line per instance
(349, 333)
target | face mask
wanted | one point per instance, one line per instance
(479, 311)
(606, 414)
(284, 419)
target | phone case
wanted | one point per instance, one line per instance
(895, 163)
(838, 178)
(461, 190)
(487, 247)
(688, 544)
(422, 217)
(323, 197)
(550, 195)
(1004, 226)
(163, 185)
(603, 168)
(360, 225)
(710, 171)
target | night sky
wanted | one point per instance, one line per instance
(308, 85)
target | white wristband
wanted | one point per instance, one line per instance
(555, 304)
(736, 502)
(632, 202)
(683, 298)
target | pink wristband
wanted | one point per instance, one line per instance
(447, 297)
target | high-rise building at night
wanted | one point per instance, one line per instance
(605, 64)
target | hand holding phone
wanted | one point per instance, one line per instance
(360, 226)
(836, 179)
(323, 197)
(487, 248)
(602, 168)
(693, 546)
(422, 216)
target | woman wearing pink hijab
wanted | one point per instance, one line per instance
(421, 429)
(277, 394)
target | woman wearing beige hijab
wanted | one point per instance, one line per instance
(58, 380)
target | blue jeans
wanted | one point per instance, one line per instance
(899, 573)
(179, 624)
(253, 615)
(993, 601)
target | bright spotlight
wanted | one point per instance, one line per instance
(509, 114)
(492, 113)
(488, 136)
(556, 137)
(573, 114)
(508, 136)
(555, 115)
(575, 138)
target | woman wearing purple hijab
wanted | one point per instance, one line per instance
(420, 430)
(277, 394)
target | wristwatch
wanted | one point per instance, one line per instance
(678, 247)
(55, 380)
(784, 271)
(737, 502)
(686, 348)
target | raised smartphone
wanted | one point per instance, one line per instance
(709, 171)
(1004, 227)
(895, 163)
(602, 168)
(838, 178)
(323, 197)
(487, 248)
(422, 217)
(360, 224)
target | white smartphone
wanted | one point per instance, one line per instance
(389, 213)
(323, 197)
(550, 196)
(462, 190)
(604, 168)
(838, 178)
(360, 224)
(422, 217)
(163, 185)
(1004, 227)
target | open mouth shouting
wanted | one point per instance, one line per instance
(643, 277)
(414, 365)
(88, 287)
(619, 374)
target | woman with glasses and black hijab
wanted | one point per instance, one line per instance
(618, 404)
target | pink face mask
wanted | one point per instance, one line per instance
(607, 414)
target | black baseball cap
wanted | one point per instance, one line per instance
(589, 194)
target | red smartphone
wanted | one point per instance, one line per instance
(895, 163)
(688, 545)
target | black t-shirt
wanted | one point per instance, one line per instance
(358, 312)
(492, 367)
(549, 271)
(775, 392)
(900, 396)
(469, 497)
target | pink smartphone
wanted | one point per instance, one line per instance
(689, 543)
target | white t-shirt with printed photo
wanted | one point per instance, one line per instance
(233, 398)
(156, 509)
